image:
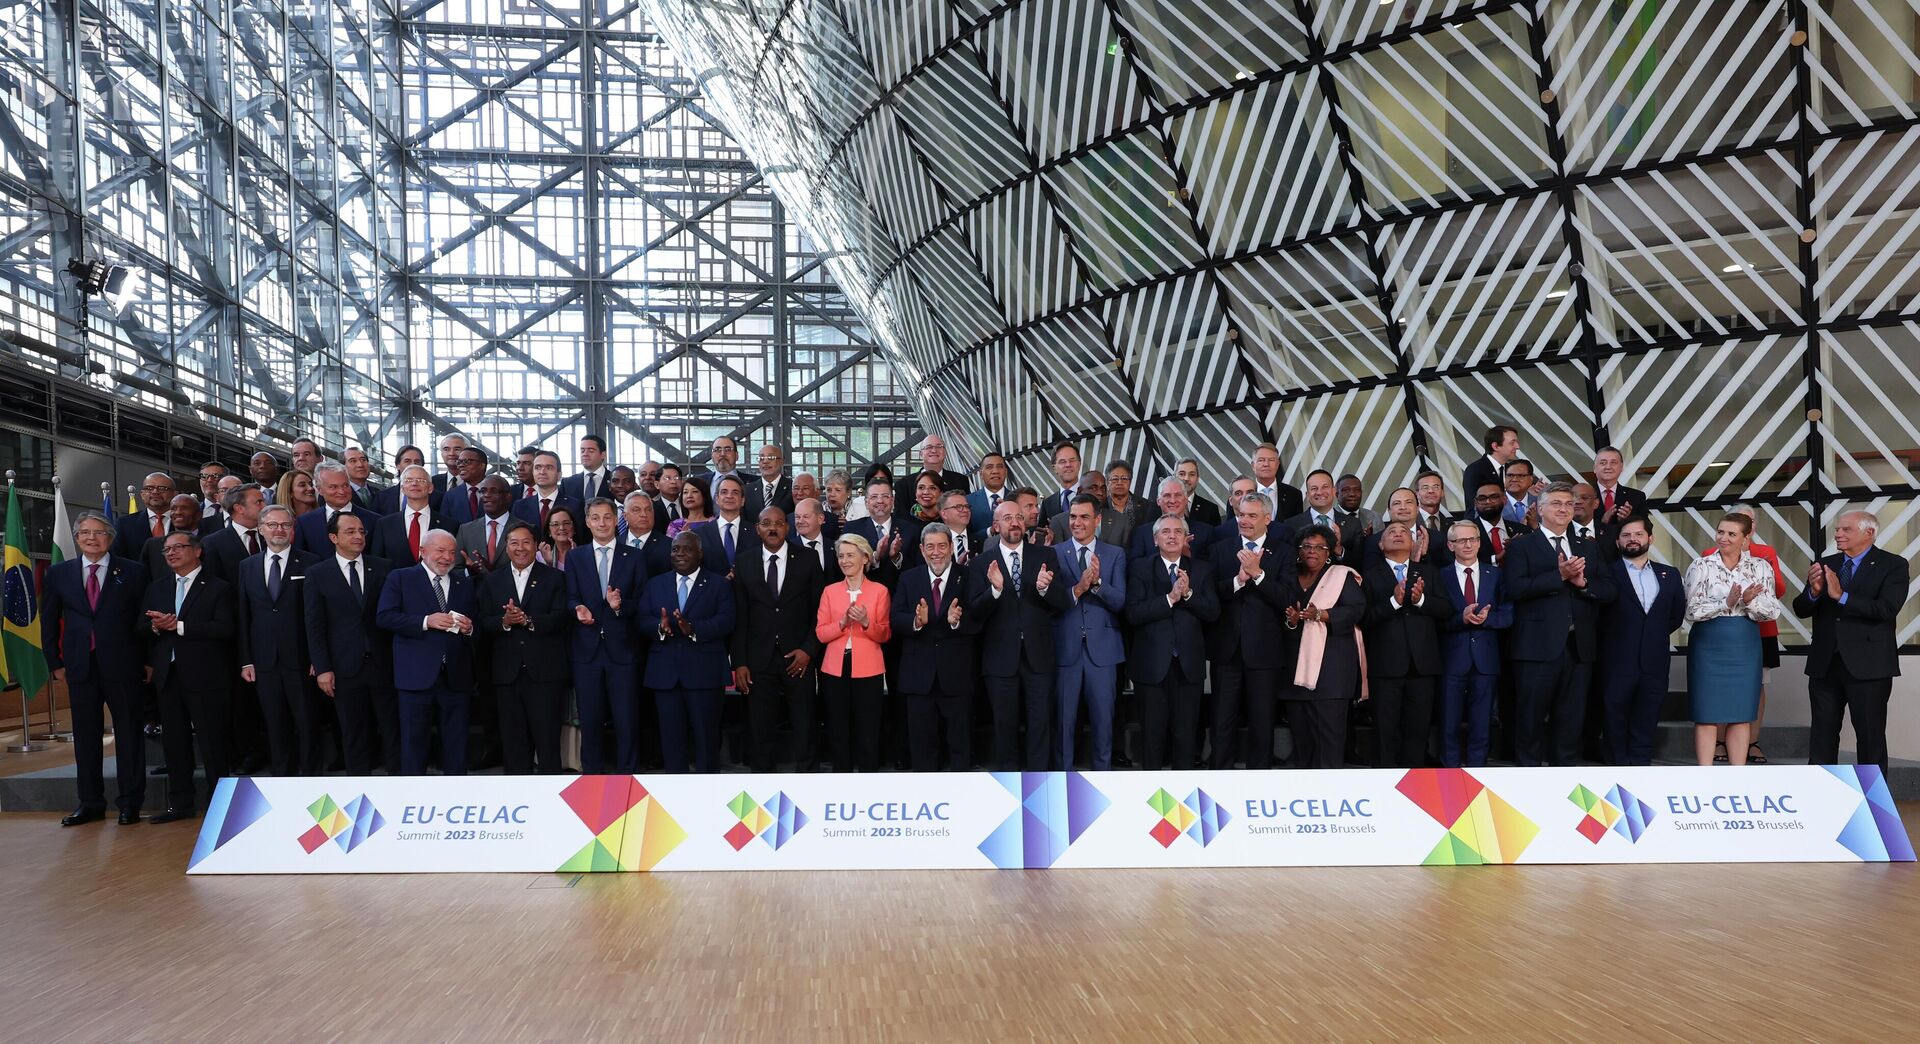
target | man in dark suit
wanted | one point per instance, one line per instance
(1430, 496)
(183, 516)
(1202, 515)
(595, 472)
(776, 592)
(1429, 543)
(770, 486)
(895, 540)
(1321, 512)
(210, 499)
(933, 457)
(646, 535)
(352, 657)
(1496, 531)
(723, 458)
(240, 538)
(190, 623)
(88, 611)
(1017, 592)
(449, 478)
(133, 531)
(937, 661)
(1405, 609)
(263, 469)
(523, 610)
(1171, 600)
(730, 530)
(605, 582)
(430, 612)
(273, 647)
(956, 510)
(983, 502)
(810, 535)
(1502, 445)
(462, 500)
(1243, 644)
(1853, 597)
(1637, 626)
(691, 614)
(335, 489)
(1617, 502)
(547, 495)
(360, 476)
(481, 543)
(1087, 639)
(1143, 542)
(396, 538)
(1113, 527)
(387, 501)
(1558, 585)
(1469, 648)
(1286, 499)
(1066, 471)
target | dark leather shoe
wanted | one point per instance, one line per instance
(83, 815)
(172, 815)
(129, 818)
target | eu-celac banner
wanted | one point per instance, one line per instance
(1050, 820)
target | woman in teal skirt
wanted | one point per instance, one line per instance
(1728, 592)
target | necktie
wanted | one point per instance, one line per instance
(1495, 530)
(493, 536)
(1846, 574)
(1251, 546)
(1399, 572)
(1606, 500)
(635, 542)
(1083, 559)
(93, 585)
(686, 587)
(586, 486)
(440, 591)
(353, 581)
(1560, 548)
(1173, 573)
(993, 501)
(179, 593)
(936, 596)
(413, 535)
(253, 542)
(158, 528)
(273, 578)
(473, 502)
(1016, 574)
(773, 575)
(606, 568)
(1321, 520)
(1469, 592)
(546, 505)
(620, 526)
(769, 496)
(726, 541)
(814, 546)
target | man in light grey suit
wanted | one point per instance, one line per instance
(1087, 636)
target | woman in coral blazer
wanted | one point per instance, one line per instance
(852, 624)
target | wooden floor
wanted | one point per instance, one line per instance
(105, 938)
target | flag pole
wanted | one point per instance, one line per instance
(54, 732)
(26, 744)
(106, 501)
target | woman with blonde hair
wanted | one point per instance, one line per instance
(852, 625)
(1729, 592)
(296, 491)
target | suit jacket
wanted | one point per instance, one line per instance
(937, 652)
(713, 547)
(757, 496)
(273, 632)
(1513, 531)
(1250, 618)
(1200, 537)
(949, 480)
(202, 658)
(1636, 502)
(1403, 641)
(1478, 473)
(1288, 501)
(1641, 640)
(406, 599)
(865, 642)
(343, 634)
(1860, 633)
(1473, 648)
(131, 533)
(1090, 627)
(1161, 630)
(459, 507)
(617, 632)
(472, 537)
(388, 500)
(364, 496)
(767, 624)
(1017, 627)
(1115, 528)
(829, 564)
(1056, 503)
(656, 554)
(388, 539)
(527, 509)
(1548, 611)
(224, 551)
(71, 630)
(1601, 536)
(1207, 513)
(982, 507)
(680, 662)
(310, 529)
(536, 652)
(883, 568)
(1352, 542)
(574, 486)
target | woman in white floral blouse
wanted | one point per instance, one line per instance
(1728, 591)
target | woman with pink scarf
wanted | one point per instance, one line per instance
(1323, 617)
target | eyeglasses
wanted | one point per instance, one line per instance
(157, 489)
(276, 525)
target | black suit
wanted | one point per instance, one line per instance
(1482, 471)
(224, 551)
(1509, 532)
(193, 673)
(529, 665)
(757, 496)
(344, 641)
(1247, 660)
(273, 641)
(1169, 654)
(1403, 660)
(1017, 650)
(883, 568)
(96, 645)
(388, 500)
(937, 665)
(1854, 656)
(153, 553)
(389, 540)
(1553, 644)
(131, 533)
(1288, 501)
(769, 625)
(1204, 512)
(1352, 535)
(1636, 502)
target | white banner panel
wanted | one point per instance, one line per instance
(1038, 820)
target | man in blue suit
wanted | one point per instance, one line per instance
(937, 661)
(1469, 647)
(1649, 605)
(547, 494)
(430, 612)
(88, 608)
(461, 503)
(1086, 638)
(605, 581)
(691, 613)
(730, 530)
(331, 482)
(1557, 584)
(273, 646)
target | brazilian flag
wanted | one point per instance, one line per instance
(21, 660)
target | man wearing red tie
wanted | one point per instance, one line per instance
(1617, 502)
(482, 542)
(397, 537)
(535, 508)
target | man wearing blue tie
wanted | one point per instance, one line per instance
(721, 537)
(692, 614)
(605, 579)
(1066, 468)
(430, 613)
(1087, 636)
